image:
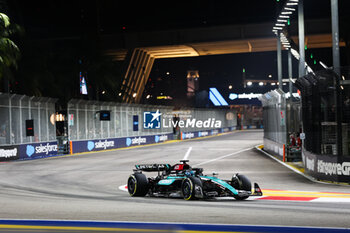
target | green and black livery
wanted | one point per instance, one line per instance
(190, 183)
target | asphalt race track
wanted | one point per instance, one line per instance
(86, 187)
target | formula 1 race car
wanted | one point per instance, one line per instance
(190, 183)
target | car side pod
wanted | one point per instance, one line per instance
(257, 190)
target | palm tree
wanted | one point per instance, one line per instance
(9, 52)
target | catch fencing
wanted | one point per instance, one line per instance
(326, 120)
(84, 121)
(274, 115)
(282, 125)
(16, 109)
(130, 124)
(81, 128)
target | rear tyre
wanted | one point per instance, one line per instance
(137, 185)
(241, 182)
(188, 187)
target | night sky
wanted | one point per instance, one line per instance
(54, 17)
(43, 20)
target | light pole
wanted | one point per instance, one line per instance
(336, 68)
(335, 36)
(290, 74)
(279, 62)
(301, 31)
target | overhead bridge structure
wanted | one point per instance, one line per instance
(140, 49)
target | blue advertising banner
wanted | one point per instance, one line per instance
(204, 133)
(94, 145)
(113, 143)
(37, 150)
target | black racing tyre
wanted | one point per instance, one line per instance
(245, 183)
(188, 187)
(137, 185)
(240, 198)
(241, 182)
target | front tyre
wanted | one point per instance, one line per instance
(137, 185)
(241, 182)
(188, 187)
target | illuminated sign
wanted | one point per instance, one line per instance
(295, 95)
(163, 97)
(234, 96)
(216, 98)
(135, 122)
(83, 87)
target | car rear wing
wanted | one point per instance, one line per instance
(153, 167)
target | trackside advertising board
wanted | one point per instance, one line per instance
(48, 149)
(204, 133)
(113, 143)
(38, 150)
(28, 151)
(9, 153)
(327, 167)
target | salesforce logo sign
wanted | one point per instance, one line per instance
(136, 140)
(187, 135)
(90, 145)
(101, 144)
(203, 133)
(30, 150)
(42, 149)
(128, 141)
(161, 138)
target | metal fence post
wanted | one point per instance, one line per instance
(138, 113)
(94, 121)
(21, 120)
(101, 124)
(77, 116)
(47, 120)
(108, 125)
(69, 128)
(10, 119)
(126, 120)
(30, 112)
(115, 121)
(39, 122)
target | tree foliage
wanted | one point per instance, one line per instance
(9, 52)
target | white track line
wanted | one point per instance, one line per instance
(330, 199)
(187, 153)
